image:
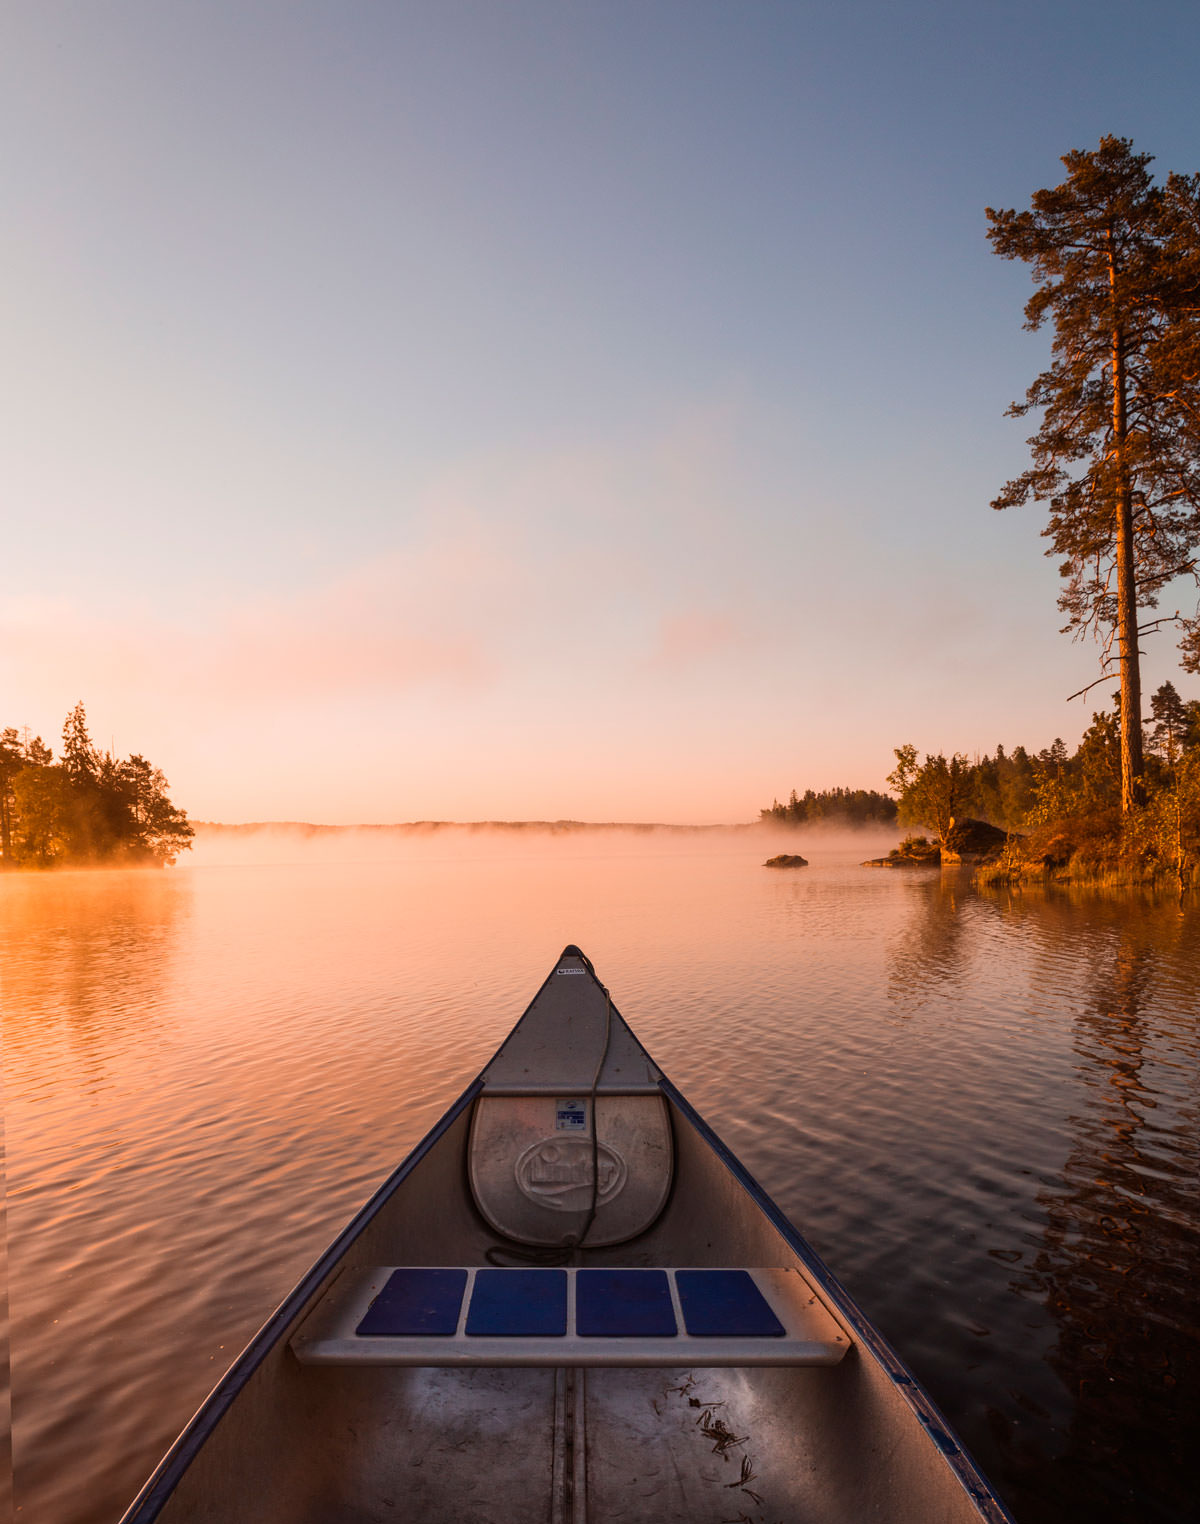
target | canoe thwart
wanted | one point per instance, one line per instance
(477, 1316)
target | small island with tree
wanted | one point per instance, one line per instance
(89, 808)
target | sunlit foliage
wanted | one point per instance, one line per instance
(1064, 808)
(932, 793)
(88, 807)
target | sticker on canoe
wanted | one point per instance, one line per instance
(557, 1173)
(570, 1116)
(570, 971)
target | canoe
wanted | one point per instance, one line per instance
(570, 1302)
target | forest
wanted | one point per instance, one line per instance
(1064, 810)
(835, 806)
(88, 808)
(1061, 810)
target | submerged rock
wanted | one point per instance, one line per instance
(786, 860)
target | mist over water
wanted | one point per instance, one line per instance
(567, 839)
(982, 1109)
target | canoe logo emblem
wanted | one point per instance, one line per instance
(557, 1173)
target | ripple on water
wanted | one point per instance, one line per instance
(982, 1110)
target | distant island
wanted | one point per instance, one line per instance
(835, 806)
(89, 808)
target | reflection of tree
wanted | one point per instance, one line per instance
(931, 950)
(1120, 1257)
(6, 1497)
(84, 957)
(86, 962)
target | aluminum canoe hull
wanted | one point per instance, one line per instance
(283, 1442)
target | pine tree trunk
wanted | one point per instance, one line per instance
(1132, 763)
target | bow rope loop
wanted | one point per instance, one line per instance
(562, 1254)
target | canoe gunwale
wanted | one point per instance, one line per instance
(864, 1331)
(166, 1476)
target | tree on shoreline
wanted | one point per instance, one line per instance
(1116, 262)
(11, 762)
(90, 807)
(1176, 723)
(932, 793)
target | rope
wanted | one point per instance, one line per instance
(563, 1253)
(591, 1216)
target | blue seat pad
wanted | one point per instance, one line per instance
(416, 1302)
(623, 1304)
(518, 1304)
(725, 1304)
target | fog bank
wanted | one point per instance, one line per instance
(299, 841)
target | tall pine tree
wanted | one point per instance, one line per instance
(1117, 455)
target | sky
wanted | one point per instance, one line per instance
(530, 411)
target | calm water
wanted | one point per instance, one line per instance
(983, 1110)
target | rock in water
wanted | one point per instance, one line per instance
(786, 860)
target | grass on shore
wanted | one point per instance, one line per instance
(1101, 850)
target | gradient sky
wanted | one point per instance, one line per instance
(518, 410)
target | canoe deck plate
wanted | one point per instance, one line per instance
(530, 1165)
(554, 1048)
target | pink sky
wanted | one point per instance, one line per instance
(503, 412)
(641, 661)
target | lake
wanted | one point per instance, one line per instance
(983, 1109)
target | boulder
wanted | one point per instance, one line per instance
(973, 841)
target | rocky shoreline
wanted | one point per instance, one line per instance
(969, 841)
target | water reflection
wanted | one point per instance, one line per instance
(934, 949)
(1120, 1254)
(6, 1499)
(94, 953)
(87, 964)
(209, 1070)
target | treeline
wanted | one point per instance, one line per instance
(1067, 806)
(853, 806)
(88, 807)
